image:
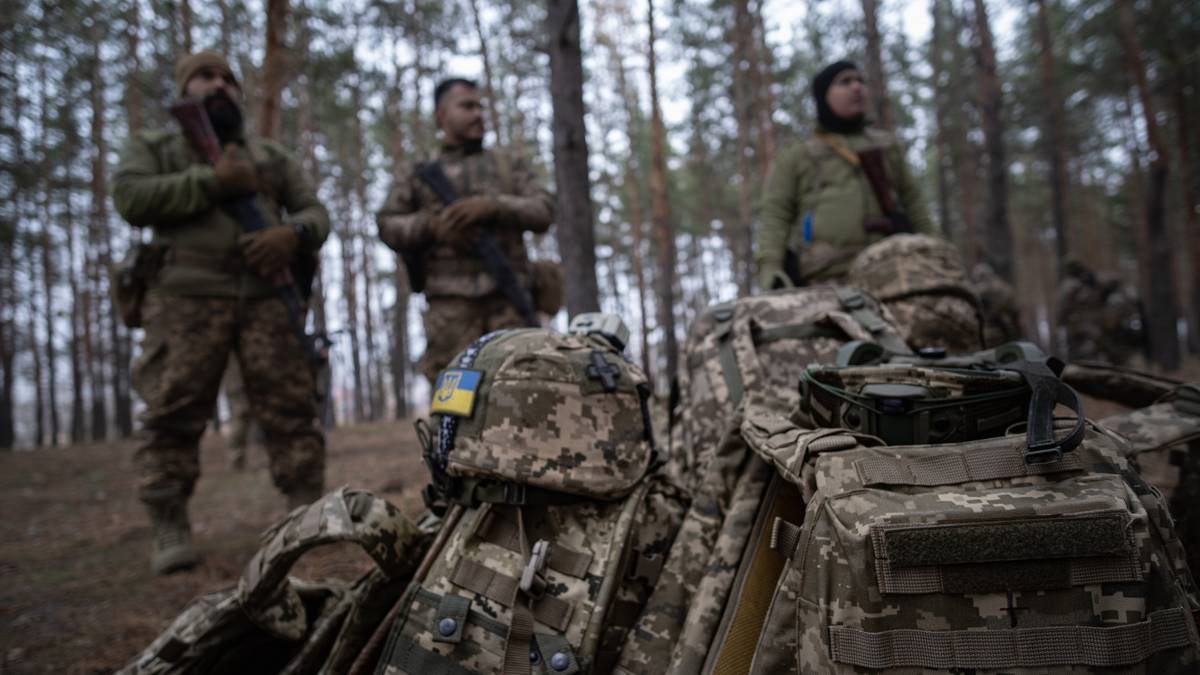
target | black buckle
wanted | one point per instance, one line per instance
(1043, 454)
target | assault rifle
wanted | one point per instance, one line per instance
(487, 247)
(199, 132)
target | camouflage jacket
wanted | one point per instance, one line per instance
(162, 184)
(812, 178)
(406, 219)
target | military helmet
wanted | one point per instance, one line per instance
(924, 285)
(534, 414)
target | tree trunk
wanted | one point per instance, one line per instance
(185, 25)
(937, 62)
(1191, 202)
(744, 67)
(273, 69)
(574, 226)
(98, 227)
(502, 136)
(1055, 141)
(765, 103)
(1161, 330)
(80, 318)
(997, 235)
(133, 81)
(876, 80)
(39, 398)
(660, 213)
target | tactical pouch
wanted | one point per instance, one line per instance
(546, 277)
(129, 279)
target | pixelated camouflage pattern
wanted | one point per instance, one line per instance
(645, 522)
(922, 280)
(727, 482)
(834, 577)
(452, 324)
(274, 623)
(187, 344)
(383, 532)
(540, 419)
(770, 370)
(998, 305)
(1164, 443)
(406, 217)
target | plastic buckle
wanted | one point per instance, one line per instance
(531, 582)
(853, 301)
(514, 493)
(1043, 454)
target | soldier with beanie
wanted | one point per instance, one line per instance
(214, 297)
(829, 196)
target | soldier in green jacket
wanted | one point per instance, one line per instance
(819, 208)
(212, 297)
(497, 191)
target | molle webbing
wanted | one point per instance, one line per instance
(501, 588)
(976, 464)
(501, 529)
(1093, 646)
(852, 301)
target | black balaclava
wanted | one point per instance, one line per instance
(225, 115)
(825, 115)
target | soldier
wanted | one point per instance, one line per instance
(500, 194)
(998, 304)
(834, 193)
(1101, 315)
(212, 297)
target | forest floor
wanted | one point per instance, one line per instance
(76, 592)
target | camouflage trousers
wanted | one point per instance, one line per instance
(241, 420)
(453, 323)
(178, 375)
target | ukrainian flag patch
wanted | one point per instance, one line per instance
(455, 392)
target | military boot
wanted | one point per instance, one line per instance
(304, 495)
(172, 537)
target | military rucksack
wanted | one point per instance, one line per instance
(1004, 553)
(748, 352)
(556, 520)
(275, 623)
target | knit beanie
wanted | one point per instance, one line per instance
(193, 63)
(825, 115)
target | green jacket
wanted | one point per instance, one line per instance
(162, 184)
(811, 177)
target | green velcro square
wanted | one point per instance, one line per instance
(1030, 539)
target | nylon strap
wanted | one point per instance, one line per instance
(729, 366)
(1092, 646)
(454, 607)
(501, 531)
(472, 491)
(646, 567)
(840, 148)
(785, 537)
(855, 304)
(1048, 391)
(982, 463)
(502, 588)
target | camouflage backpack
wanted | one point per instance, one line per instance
(917, 276)
(275, 623)
(556, 519)
(748, 352)
(1032, 550)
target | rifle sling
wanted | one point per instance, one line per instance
(487, 248)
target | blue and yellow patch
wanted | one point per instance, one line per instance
(455, 392)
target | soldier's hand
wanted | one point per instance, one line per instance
(459, 223)
(235, 174)
(269, 251)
